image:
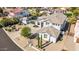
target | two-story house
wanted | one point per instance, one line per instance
(57, 20)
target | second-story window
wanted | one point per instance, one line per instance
(38, 23)
(58, 24)
(47, 23)
(53, 23)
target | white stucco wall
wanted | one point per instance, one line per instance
(24, 20)
(50, 24)
(49, 38)
(47, 25)
(57, 27)
(53, 39)
(36, 23)
(75, 39)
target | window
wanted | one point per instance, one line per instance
(53, 23)
(47, 23)
(58, 24)
(38, 23)
(45, 35)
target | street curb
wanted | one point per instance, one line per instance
(14, 41)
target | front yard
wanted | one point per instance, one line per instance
(66, 43)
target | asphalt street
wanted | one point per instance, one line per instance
(6, 44)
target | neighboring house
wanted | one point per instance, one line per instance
(22, 14)
(24, 20)
(52, 11)
(57, 20)
(49, 34)
(11, 15)
(76, 30)
(18, 12)
(59, 11)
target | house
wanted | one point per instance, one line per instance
(76, 30)
(13, 11)
(24, 20)
(49, 34)
(59, 11)
(57, 20)
(22, 14)
(49, 11)
(18, 12)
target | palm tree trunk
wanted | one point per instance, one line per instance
(41, 42)
(69, 28)
(38, 42)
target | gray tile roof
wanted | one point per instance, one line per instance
(50, 30)
(57, 18)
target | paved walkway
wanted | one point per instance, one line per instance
(6, 44)
(69, 43)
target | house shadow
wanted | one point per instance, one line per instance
(33, 36)
(60, 38)
(65, 28)
(46, 44)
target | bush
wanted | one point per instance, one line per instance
(32, 22)
(68, 14)
(26, 32)
(0, 26)
(8, 21)
(8, 29)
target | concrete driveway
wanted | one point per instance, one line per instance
(6, 44)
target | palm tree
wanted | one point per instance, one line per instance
(71, 20)
(1, 10)
(41, 42)
(38, 41)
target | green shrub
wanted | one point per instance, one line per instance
(9, 30)
(8, 21)
(0, 26)
(32, 22)
(26, 32)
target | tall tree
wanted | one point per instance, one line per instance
(38, 41)
(71, 20)
(1, 10)
(41, 42)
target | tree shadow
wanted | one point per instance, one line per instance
(46, 44)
